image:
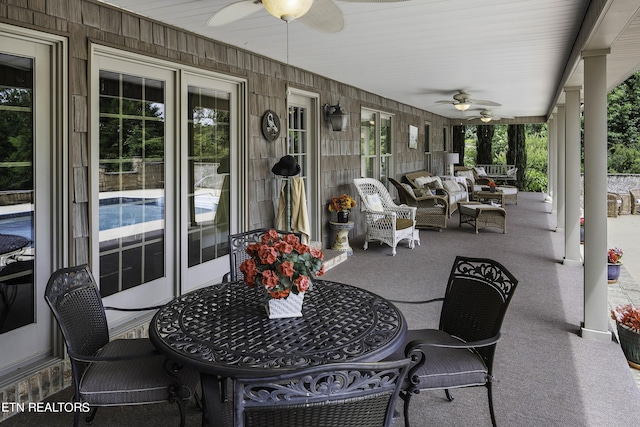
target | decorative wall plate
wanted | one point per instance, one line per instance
(270, 125)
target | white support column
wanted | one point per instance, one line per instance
(552, 166)
(572, 254)
(596, 314)
(560, 175)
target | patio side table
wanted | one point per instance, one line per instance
(341, 242)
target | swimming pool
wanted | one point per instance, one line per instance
(113, 213)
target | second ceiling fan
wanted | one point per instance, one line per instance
(486, 116)
(321, 15)
(462, 101)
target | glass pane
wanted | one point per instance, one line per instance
(385, 164)
(209, 174)
(385, 135)
(131, 181)
(427, 138)
(17, 245)
(368, 134)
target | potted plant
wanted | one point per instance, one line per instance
(285, 268)
(627, 319)
(342, 205)
(614, 255)
(492, 186)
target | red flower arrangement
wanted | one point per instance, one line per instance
(627, 315)
(614, 255)
(491, 184)
(282, 264)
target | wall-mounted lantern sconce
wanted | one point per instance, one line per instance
(338, 118)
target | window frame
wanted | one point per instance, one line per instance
(379, 158)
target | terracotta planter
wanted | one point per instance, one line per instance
(613, 272)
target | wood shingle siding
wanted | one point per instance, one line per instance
(87, 21)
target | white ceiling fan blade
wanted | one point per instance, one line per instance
(442, 101)
(324, 16)
(372, 1)
(234, 12)
(484, 102)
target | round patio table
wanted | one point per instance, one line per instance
(223, 331)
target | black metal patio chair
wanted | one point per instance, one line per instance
(460, 352)
(334, 395)
(110, 373)
(237, 254)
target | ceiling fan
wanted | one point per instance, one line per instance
(486, 116)
(321, 15)
(462, 101)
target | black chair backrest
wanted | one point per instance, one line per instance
(340, 395)
(237, 245)
(74, 299)
(477, 296)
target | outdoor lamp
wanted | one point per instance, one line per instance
(338, 118)
(287, 10)
(451, 159)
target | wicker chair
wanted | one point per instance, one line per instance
(460, 352)
(614, 202)
(635, 200)
(386, 222)
(431, 210)
(237, 253)
(339, 394)
(110, 373)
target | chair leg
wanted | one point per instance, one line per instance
(448, 393)
(182, 406)
(493, 415)
(92, 415)
(406, 396)
(76, 418)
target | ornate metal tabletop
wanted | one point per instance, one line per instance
(224, 329)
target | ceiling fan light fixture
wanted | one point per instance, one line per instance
(462, 106)
(485, 119)
(287, 10)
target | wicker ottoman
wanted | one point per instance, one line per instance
(510, 193)
(480, 215)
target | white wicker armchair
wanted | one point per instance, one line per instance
(387, 222)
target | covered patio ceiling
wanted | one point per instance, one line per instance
(518, 53)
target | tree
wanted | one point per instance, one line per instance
(485, 136)
(517, 152)
(623, 116)
(458, 141)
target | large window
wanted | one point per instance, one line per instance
(376, 143)
(17, 242)
(164, 198)
(32, 92)
(132, 181)
(209, 141)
